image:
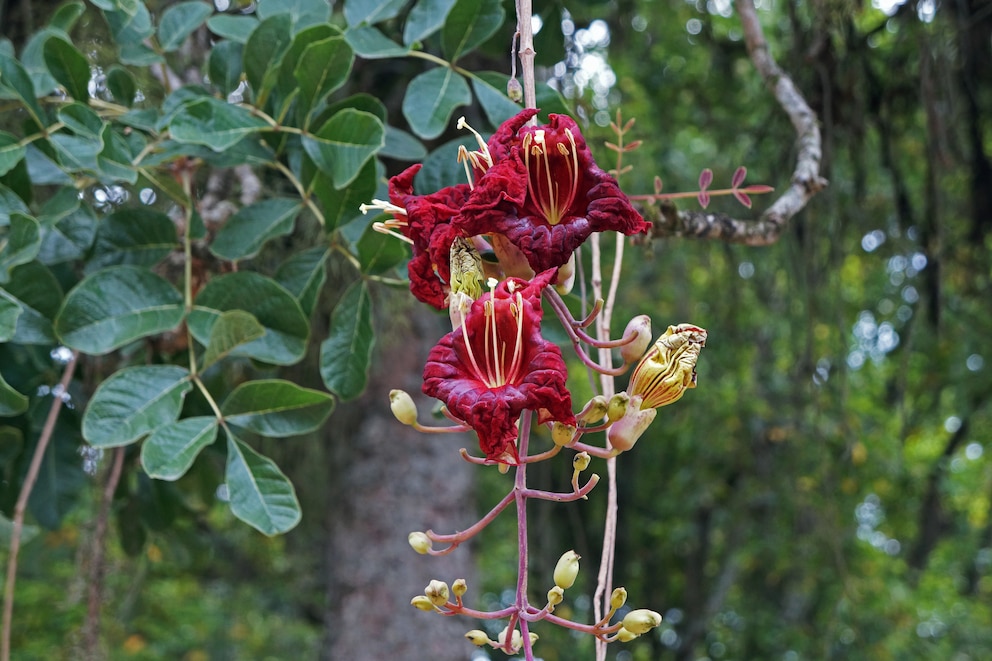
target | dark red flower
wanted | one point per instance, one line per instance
(496, 365)
(545, 193)
(427, 223)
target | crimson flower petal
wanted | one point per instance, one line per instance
(497, 365)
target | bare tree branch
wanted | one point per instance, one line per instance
(806, 179)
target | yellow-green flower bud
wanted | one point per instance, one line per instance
(533, 637)
(420, 542)
(477, 637)
(618, 406)
(625, 636)
(422, 602)
(581, 461)
(567, 569)
(634, 350)
(437, 592)
(618, 598)
(561, 433)
(624, 432)
(641, 621)
(459, 587)
(668, 369)
(514, 90)
(555, 596)
(403, 407)
(595, 410)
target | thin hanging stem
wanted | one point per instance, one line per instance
(22, 502)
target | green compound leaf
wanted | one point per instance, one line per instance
(493, 99)
(225, 65)
(122, 85)
(346, 353)
(11, 402)
(16, 79)
(345, 143)
(370, 43)
(304, 275)
(260, 494)
(244, 233)
(214, 123)
(81, 120)
(169, 452)
(116, 306)
(179, 21)
(426, 18)
(470, 23)
(133, 402)
(322, 68)
(68, 66)
(232, 329)
(19, 243)
(342, 206)
(287, 329)
(34, 289)
(235, 28)
(378, 252)
(277, 408)
(9, 312)
(371, 11)
(11, 152)
(137, 237)
(431, 98)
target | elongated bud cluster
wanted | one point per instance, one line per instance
(562, 434)
(420, 542)
(437, 592)
(641, 621)
(567, 569)
(634, 350)
(669, 367)
(403, 407)
(478, 637)
(618, 598)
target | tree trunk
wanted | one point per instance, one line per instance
(389, 480)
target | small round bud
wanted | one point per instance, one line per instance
(533, 637)
(420, 542)
(595, 410)
(437, 592)
(625, 636)
(618, 406)
(403, 407)
(634, 350)
(422, 602)
(555, 597)
(459, 587)
(641, 621)
(565, 279)
(562, 434)
(514, 90)
(477, 637)
(618, 598)
(581, 461)
(567, 569)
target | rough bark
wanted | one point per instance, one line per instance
(388, 480)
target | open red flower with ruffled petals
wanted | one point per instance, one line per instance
(496, 365)
(545, 193)
(425, 221)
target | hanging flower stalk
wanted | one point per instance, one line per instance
(533, 196)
